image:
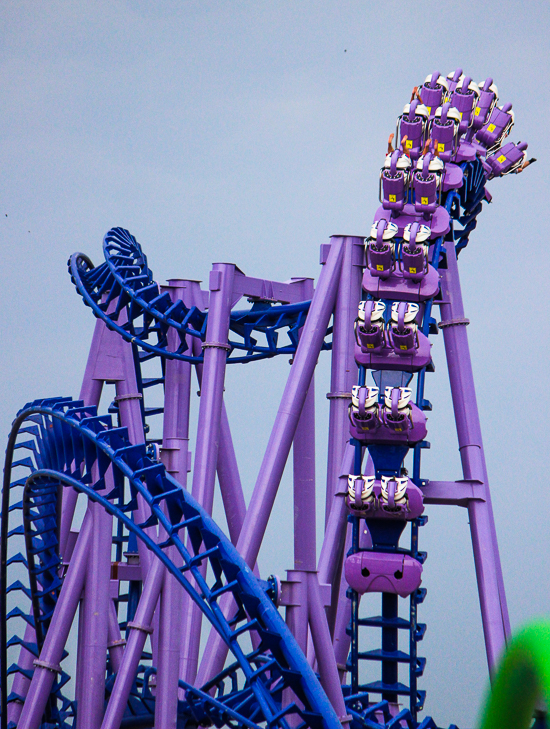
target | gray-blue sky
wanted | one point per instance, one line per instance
(250, 132)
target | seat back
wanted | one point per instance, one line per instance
(444, 134)
(453, 80)
(433, 92)
(412, 126)
(394, 185)
(507, 158)
(499, 125)
(425, 188)
(464, 99)
(488, 95)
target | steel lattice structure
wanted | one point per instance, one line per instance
(175, 626)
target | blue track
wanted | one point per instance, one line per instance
(124, 284)
(66, 442)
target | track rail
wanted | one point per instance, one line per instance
(124, 284)
(74, 447)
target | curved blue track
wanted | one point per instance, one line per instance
(69, 444)
(124, 284)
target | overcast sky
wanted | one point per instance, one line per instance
(250, 132)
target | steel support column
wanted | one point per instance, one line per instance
(208, 431)
(282, 434)
(494, 611)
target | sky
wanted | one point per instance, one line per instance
(250, 132)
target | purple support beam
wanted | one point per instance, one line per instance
(335, 532)
(116, 641)
(341, 640)
(208, 430)
(90, 393)
(494, 611)
(343, 376)
(324, 653)
(95, 608)
(305, 560)
(215, 357)
(48, 666)
(305, 549)
(332, 550)
(166, 704)
(453, 493)
(228, 469)
(175, 455)
(344, 369)
(282, 434)
(140, 628)
(177, 393)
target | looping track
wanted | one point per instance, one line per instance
(125, 284)
(72, 447)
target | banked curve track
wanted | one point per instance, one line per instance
(70, 446)
(123, 293)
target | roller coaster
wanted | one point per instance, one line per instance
(123, 604)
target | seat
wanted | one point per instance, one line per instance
(433, 92)
(507, 159)
(444, 132)
(426, 184)
(363, 409)
(464, 99)
(361, 491)
(414, 252)
(402, 328)
(488, 97)
(369, 326)
(498, 127)
(412, 125)
(394, 181)
(396, 411)
(453, 79)
(381, 248)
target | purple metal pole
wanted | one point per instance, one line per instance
(116, 641)
(324, 653)
(305, 549)
(177, 395)
(90, 393)
(305, 556)
(95, 607)
(175, 455)
(208, 430)
(47, 666)
(166, 698)
(140, 627)
(228, 470)
(128, 399)
(330, 559)
(303, 454)
(343, 376)
(230, 482)
(282, 434)
(305, 559)
(494, 611)
(344, 369)
(341, 640)
(335, 532)
(213, 373)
